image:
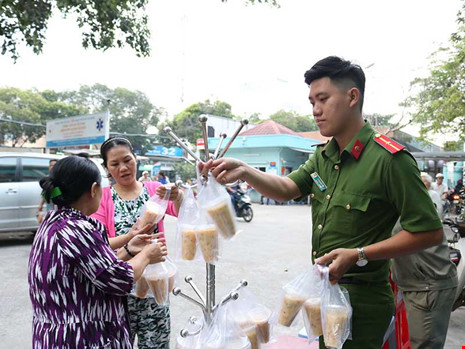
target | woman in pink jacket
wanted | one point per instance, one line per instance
(119, 210)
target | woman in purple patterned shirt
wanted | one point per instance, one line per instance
(77, 284)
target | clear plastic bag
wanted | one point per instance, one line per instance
(223, 332)
(295, 293)
(311, 310)
(214, 200)
(161, 280)
(142, 287)
(336, 314)
(208, 240)
(253, 318)
(186, 242)
(191, 342)
(154, 208)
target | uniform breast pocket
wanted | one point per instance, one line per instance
(317, 198)
(349, 211)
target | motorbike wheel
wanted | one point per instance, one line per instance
(247, 214)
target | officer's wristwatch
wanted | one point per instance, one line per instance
(362, 257)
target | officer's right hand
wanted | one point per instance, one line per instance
(155, 252)
(225, 170)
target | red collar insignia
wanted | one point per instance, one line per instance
(357, 149)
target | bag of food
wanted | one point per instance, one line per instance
(223, 332)
(186, 242)
(214, 200)
(294, 294)
(154, 208)
(336, 314)
(311, 309)
(194, 325)
(207, 238)
(252, 317)
(161, 279)
(142, 287)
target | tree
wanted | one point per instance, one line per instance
(439, 102)
(186, 124)
(26, 112)
(453, 146)
(254, 118)
(104, 24)
(294, 121)
(131, 112)
(184, 170)
(305, 123)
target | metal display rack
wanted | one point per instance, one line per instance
(207, 304)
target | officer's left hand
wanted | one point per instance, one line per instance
(342, 260)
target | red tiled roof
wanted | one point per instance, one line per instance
(269, 127)
(315, 135)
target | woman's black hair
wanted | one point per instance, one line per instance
(111, 143)
(73, 176)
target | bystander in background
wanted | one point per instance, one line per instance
(428, 280)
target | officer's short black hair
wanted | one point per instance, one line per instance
(340, 72)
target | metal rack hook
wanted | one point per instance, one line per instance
(233, 138)
(203, 120)
(167, 130)
(223, 135)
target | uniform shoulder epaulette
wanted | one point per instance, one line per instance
(388, 144)
(321, 144)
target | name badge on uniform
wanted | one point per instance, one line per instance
(318, 181)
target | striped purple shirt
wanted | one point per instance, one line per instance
(77, 285)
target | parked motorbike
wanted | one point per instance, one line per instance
(457, 249)
(453, 202)
(243, 205)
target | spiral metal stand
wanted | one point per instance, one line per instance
(207, 304)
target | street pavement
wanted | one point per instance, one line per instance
(269, 252)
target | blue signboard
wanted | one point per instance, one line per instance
(77, 130)
(155, 169)
(161, 150)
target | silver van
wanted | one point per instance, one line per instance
(20, 193)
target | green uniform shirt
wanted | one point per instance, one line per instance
(364, 198)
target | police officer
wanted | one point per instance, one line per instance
(360, 183)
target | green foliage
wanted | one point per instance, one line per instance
(131, 112)
(453, 146)
(294, 121)
(29, 106)
(253, 2)
(439, 102)
(184, 170)
(104, 24)
(254, 118)
(186, 124)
